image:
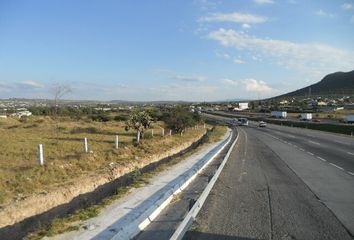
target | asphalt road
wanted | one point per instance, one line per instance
(282, 183)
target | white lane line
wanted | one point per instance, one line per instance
(292, 136)
(311, 153)
(341, 142)
(322, 159)
(302, 149)
(350, 153)
(351, 173)
(314, 142)
(336, 166)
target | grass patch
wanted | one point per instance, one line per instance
(62, 140)
(73, 222)
(217, 134)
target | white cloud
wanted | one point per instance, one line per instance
(230, 82)
(238, 61)
(246, 26)
(347, 6)
(315, 60)
(186, 92)
(322, 13)
(121, 85)
(261, 2)
(206, 5)
(234, 17)
(222, 55)
(258, 86)
(190, 78)
(251, 85)
(29, 84)
(5, 87)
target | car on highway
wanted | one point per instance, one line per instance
(316, 120)
(262, 124)
(243, 121)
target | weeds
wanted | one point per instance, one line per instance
(73, 221)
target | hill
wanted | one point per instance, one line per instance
(338, 83)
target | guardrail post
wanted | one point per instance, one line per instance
(163, 132)
(116, 142)
(85, 145)
(170, 132)
(40, 155)
(152, 132)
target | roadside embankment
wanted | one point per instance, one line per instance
(23, 216)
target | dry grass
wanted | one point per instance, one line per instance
(74, 221)
(20, 174)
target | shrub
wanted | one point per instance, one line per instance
(84, 130)
(122, 117)
(100, 117)
(180, 118)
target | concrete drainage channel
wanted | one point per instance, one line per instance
(174, 220)
(135, 224)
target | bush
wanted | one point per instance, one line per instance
(180, 118)
(100, 118)
(84, 130)
(122, 117)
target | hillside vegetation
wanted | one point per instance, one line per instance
(338, 83)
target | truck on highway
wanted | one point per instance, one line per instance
(277, 114)
(349, 119)
(306, 116)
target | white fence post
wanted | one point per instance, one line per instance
(204, 125)
(85, 145)
(163, 132)
(170, 132)
(116, 142)
(152, 132)
(40, 154)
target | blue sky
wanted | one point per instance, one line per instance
(196, 50)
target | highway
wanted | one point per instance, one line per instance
(282, 183)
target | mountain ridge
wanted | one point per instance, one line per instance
(336, 83)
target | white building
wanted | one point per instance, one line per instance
(22, 114)
(241, 107)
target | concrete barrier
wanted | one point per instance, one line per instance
(190, 217)
(135, 224)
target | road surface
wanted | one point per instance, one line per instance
(282, 183)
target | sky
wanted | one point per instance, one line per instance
(191, 50)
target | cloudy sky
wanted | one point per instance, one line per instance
(199, 50)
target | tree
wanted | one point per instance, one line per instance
(139, 121)
(180, 118)
(59, 92)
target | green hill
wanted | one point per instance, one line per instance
(338, 83)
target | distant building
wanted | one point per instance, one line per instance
(22, 114)
(241, 107)
(321, 103)
(349, 106)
